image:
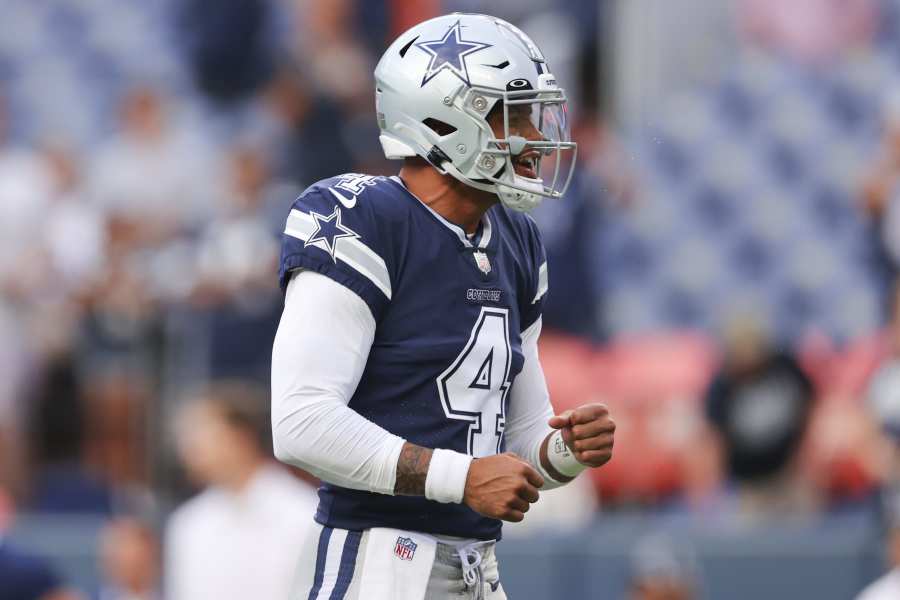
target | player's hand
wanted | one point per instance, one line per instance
(588, 432)
(502, 487)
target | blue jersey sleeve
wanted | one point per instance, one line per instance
(327, 233)
(537, 282)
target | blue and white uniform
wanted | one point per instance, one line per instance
(399, 327)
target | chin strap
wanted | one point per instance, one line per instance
(519, 199)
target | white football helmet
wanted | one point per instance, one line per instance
(440, 82)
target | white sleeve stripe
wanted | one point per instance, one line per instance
(543, 283)
(351, 251)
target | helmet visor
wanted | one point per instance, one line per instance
(538, 139)
(557, 160)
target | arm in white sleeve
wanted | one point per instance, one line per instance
(318, 357)
(530, 408)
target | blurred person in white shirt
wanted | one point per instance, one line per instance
(152, 178)
(26, 188)
(61, 251)
(242, 536)
(74, 231)
(242, 238)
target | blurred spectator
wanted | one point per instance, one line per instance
(882, 398)
(129, 557)
(311, 145)
(236, 255)
(152, 178)
(241, 537)
(760, 403)
(75, 230)
(333, 46)
(24, 577)
(57, 432)
(14, 361)
(662, 570)
(238, 249)
(880, 195)
(222, 69)
(26, 187)
(888, 586)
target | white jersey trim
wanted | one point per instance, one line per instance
(351, 251)
(543, 283)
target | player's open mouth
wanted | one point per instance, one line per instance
(526, 164)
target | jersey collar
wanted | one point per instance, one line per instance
(481, 239)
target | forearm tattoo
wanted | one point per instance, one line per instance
(412, 469)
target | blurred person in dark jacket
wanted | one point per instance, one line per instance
(312, 144)
(25, 577)
(222, 69)
(58, 431)
(759, 404)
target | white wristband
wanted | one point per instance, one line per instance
(561, 457)
(446, 479)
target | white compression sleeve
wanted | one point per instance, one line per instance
(319, 355)
(530, 408)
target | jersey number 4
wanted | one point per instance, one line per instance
(474, 387)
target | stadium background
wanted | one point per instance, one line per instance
(721, 270)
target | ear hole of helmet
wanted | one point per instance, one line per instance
(439, 127)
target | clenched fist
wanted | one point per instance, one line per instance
(502, 486)
(588, 432)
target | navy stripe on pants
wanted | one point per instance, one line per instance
(321, 553)
(348, 565)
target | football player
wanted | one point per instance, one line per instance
(405, 370)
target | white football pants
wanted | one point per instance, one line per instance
(334, 566)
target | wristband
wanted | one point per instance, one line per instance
(446, 479)
(561, 457)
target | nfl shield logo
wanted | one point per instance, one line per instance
(484, 264)
(405, 548)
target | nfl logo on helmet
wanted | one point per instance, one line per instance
(405, 548)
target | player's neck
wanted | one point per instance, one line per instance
(452, 199)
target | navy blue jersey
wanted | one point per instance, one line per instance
(449, 313)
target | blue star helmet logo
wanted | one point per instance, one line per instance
(328, 231)
(450, 53)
